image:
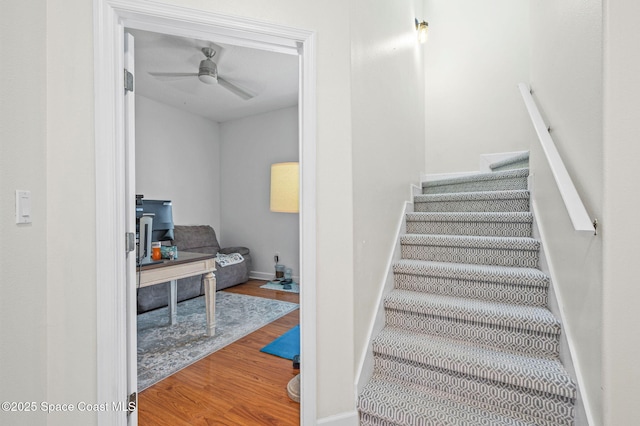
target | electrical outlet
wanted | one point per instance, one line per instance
(276, 257)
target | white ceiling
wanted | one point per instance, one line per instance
(272, 77)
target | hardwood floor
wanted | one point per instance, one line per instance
(237, 385)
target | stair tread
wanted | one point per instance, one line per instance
(506, 217)
(479, 177)
(473, 272)
(472, 241)
(543, 374)
(474, 196)
(405, 403)
(522, 317)
(556, 409)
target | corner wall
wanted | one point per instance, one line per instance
(566, 78)
(476, 55)
(388, 141)
(178, 159)
(249, 147)
(620, 233)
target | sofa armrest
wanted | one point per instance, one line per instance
(228, 250)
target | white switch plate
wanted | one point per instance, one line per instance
(23, 206)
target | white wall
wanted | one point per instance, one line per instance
(566, 77)
(178, 159)
(620, 233)
(61, 162)
(387, 111)
(249, 147)
(70, 180)
(476, 55)
(23, 165)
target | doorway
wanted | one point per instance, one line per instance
(111, 18)
(209, 151)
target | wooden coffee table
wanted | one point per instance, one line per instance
(188, 264)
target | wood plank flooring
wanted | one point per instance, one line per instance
(237, 385)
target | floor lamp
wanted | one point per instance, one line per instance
(285, 189)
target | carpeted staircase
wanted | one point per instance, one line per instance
(468, 338)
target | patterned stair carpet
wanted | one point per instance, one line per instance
(468, 337)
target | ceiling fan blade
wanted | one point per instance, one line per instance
(173, 74)
(234, 89)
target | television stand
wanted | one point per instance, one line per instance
(188, 264)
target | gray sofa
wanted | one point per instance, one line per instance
(199, 239)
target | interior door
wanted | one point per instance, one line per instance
(130, 208)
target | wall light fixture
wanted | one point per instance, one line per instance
(422, 27)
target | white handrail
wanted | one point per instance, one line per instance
(577, 212)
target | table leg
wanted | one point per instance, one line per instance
(173, 301)
(209, 281)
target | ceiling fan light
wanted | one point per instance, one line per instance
(208, 79)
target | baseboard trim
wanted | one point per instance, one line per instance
(267, 276)
(350, 418)
(256, 275)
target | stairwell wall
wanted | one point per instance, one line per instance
(566, 78)
(387, 92)
(621, 234)
(476, 55)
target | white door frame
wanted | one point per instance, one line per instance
(110, 19)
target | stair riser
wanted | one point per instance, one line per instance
(489, 229)
(494, 292)
(504, 184)
(517, 165)
(472, 255)
(500, 337)
(548, 407)
(504, 205)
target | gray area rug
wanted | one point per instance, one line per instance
(163, 349)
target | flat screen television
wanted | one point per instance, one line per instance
(162, 226)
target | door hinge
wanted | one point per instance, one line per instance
(130, 242)
(128, 81)
(132, 403)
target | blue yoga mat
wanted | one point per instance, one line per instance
(286, 346)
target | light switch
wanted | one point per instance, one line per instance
(23, 206)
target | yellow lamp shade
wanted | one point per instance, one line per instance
(285, 187)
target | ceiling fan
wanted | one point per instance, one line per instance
(208, 73)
